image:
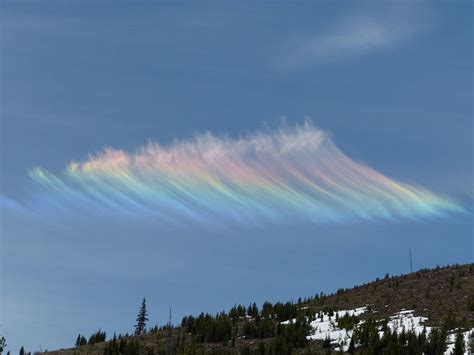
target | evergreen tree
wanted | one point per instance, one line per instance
(471, 343)
(78, 341)
(267, 310)
(351, 349)
(459, 343)
(142, 318)
(436, 342)
(3, 344)
(22, 351)
(122, 346)
(254, 310)
(327, 342)
(97, 337)
(83, 340)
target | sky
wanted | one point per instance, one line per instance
(207, 154)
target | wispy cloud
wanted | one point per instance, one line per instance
(288, 175)
(353, 35)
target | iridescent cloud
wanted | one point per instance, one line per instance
(288, 175)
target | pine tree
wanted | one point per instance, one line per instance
(97, 337)
(3, 344)
(459, 343)
(78, 341)
(351, 349)
(142, 318)
(327, 342)
(22, 351)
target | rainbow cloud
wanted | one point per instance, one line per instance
(291, 174)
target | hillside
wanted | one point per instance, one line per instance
(415, 313)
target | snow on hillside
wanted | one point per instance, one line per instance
(467, 337)
(406, 320)
(325, 326)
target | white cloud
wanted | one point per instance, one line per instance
(352, 36)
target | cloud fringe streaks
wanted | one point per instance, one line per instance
(288, 175)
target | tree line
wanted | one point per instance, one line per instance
(368, 340)
(279, 328)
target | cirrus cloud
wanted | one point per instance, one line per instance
(283, 176)
(354, 35)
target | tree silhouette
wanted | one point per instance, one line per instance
(3, 344)
(142, 318)
(459, 343)
(81, 340)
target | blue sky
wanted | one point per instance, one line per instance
(391, 82)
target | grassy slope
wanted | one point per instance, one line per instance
(432, 293)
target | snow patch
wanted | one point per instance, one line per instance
(452, 337)
(325, 326)
(406, 320)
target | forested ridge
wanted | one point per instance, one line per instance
(444, 296)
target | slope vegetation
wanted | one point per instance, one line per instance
(429, 311)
